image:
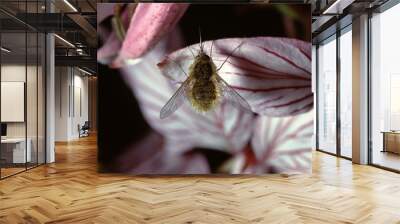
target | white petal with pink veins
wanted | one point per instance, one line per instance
(284, 143)
(227, 128)
(272, 74)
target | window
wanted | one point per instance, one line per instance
(385, 89)
(327, 96)
(346, 92)
(22, 101)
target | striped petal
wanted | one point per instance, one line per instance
(227, 128)
(282, 143)
(272, 74)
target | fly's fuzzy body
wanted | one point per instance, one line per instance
(205, 92)
(203, 87)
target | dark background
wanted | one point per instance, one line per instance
(120, 120)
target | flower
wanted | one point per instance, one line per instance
(272, 74)
(147, 23)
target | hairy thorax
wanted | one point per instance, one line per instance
(204, 93)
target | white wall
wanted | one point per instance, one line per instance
(17, 73)
(71, 94)
(62, 81)
(12, 73)
(80, 103)
(12, 101)
(33, 126)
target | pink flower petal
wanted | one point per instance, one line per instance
(149, 24)
(150, 155)
(169, 160)
(272, 74)
(226, 128)
(112, 45)
(283, 143)
(109, 51)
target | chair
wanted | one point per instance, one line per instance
(84, 130)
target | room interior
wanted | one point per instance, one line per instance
(22, 101)
(336, 49)
(385, 75)
(48, 93)
(47, 83)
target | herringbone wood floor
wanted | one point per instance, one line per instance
(71, 191)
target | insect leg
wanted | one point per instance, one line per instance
(229, 56)
(212, 43)
(117, 24)
(190, 49)
(179, 65)
(201, 43)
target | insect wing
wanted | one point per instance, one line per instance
(176, 100)
(231, 94)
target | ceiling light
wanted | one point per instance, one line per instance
(70, 5)
(64, 40)
(5, 50)
(84, 71)
(80, 51)
(338, 6)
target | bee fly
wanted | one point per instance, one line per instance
(203, 87)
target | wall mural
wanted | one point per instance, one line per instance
(199, 89)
